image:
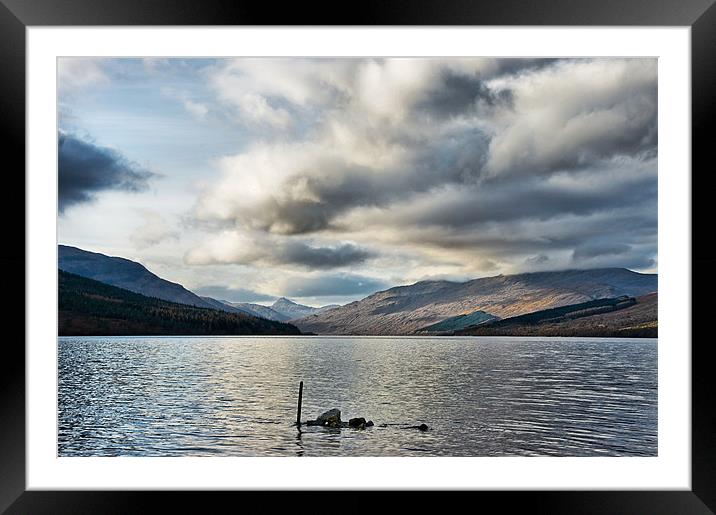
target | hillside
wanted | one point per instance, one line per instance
(622, 317)
(458, 322)
(220, 305)
(407, 309)
(126, 274)
(89, 307)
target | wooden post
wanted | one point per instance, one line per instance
(300, 400)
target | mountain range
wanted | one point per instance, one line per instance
(281, 310)
(426, 307)
(134, 277)
(259, 310)
(409, 309)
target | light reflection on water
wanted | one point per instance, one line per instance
(219, 396)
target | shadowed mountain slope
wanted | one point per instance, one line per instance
(126, 274)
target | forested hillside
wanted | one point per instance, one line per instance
(89, 307)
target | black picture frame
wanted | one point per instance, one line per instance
(16, 15)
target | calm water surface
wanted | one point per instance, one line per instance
(225, 396)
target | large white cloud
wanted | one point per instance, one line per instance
(575, 112)
(465, 164)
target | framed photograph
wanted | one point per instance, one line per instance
(421, 248)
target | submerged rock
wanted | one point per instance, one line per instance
(358, 422)
(331, 418)
(421, 427)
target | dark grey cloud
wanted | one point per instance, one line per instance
(459, 94)
(635, 224)
(637, 137)
(233, 294)
(641, 260)
(610, 250)
(334, 285)
(281, 251)
(522, 65)
(597, 249)
(527, 199)
(570, 241)
(85, 169)
(539, 259)
(301, 253)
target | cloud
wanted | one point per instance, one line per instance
(282, 93)
(575, 113)
(539, 259)
(86, 169)
(608, 252)
(600, 249)
(457, 94)
(360, 152)
(333, 285)
(527, 198)
(196, 109)
(323, 257)
(153, 65)
(301, 188)
(153, 230)
(634, 261)
(77, 73)
(232, 247)
(233, 294)
(466, 165)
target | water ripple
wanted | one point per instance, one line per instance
(236, 396)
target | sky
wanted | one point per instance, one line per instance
(325, 180)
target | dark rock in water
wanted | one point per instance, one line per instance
(331, 418)
(358, 422)
(422, 427)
